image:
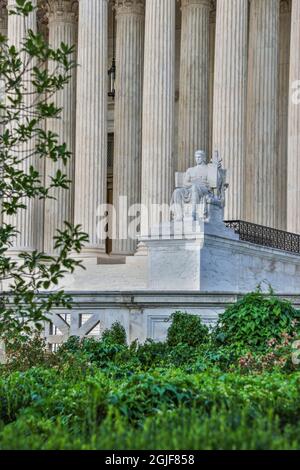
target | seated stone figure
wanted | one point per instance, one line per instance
(202, 184)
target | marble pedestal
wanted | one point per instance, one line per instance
(209, 257)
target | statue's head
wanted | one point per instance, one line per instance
(200, 157)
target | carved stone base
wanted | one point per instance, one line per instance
(211, 258)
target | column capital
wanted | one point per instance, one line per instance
(3, 13)
(285, 6)
(3, 5)
(213, 11)
(62, 10)
(196, 3)
(136, 7)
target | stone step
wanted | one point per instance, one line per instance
(111, 259)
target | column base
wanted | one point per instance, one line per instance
(15, 252)
(112, 259)
(142, 250)
(90, 254)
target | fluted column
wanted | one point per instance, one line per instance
(293, 192)
(284, 69)
(128, 117)
(262, 131)
(91, 121)
(62, 15)
(230, 91)
(194, 81)
(3, 31)
(158, 108)
(26, 220)
(212, 47)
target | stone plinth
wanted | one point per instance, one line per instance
(211, 258)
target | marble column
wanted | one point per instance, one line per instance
(128, 117)
(91, 122)
(230, 91)
(158, 110)
(284, 68)
(212, 47)
(26, 220)
(194, 81)
(293, 186)
(62, 16)
(3, 31)
(262, 129)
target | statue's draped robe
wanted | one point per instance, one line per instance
(195, 191)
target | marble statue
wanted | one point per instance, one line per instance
(202, 184)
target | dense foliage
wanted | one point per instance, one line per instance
(255, 319)
(173, 395)
(186, 329)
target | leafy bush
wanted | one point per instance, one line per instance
(186, 329)
(278, 355)
(116, 334)
(160, 409)
(99, 352)
(255, 320)
(104, 394)
(22, 355)
(150, 354)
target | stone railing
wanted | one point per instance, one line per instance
(265, 236)
(63, 325)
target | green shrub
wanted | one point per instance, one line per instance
(256, 319)
(150, 354)
(99, 352)
(159, 409)
(179, 429)
(19, 390)
(187, 329)
(116, 334)
(229, 392)
(24, 352)
(73, 345)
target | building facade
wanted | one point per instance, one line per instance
(157, 80)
